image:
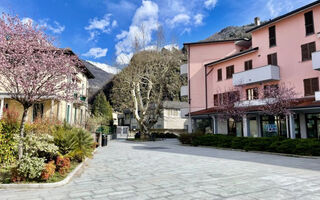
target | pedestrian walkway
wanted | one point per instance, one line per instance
(168, 170)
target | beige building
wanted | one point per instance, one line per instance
(73, 112)
(172, 119)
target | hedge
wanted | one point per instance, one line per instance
(309, 147)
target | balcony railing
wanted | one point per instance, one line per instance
(184, 69)
(316, 60)
(184, 91)
(256, 75)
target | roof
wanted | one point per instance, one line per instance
(83, 66)
(301, 9)
(214, 41)
(175, 104)
(86, 71)
(242, 53)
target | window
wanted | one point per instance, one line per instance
(272, 36)
(37, 111)
(307, 49)
(230, 71)
(219, 74)
(308, 18)
(226, 98)
(248, 65)
(268, 89)
(252, 94)
(311, 85)
(272, 59)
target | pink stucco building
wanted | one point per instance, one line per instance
(282, 51)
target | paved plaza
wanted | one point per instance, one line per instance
(167, 170)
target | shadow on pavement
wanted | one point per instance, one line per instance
(173, 146)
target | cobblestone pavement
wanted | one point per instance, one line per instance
(167, 170)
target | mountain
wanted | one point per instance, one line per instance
(232, 32)
(101, 79)
(105, 67)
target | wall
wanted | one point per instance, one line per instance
(201, 54)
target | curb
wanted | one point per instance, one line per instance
(48, 185)
(258, 152)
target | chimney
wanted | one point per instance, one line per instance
(257, 21)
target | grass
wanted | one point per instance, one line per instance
(5, 175)
(58, 177)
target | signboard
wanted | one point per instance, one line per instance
(271, 128)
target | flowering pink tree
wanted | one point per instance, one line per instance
(32, 69)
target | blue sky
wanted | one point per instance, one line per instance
(103, 30)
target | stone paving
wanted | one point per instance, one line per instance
(167, 170)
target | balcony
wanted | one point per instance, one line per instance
(317, 96)
(184, 91)
(256, 75)
(184, 69)
(316, 60)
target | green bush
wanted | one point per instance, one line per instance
(62, 137)
(271, 144)
(8, 144)
(41, 146)
(28, 168)
(81, 144)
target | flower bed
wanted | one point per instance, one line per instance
(50, 151)
(307, 147)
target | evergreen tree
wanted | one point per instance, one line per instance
(102, 108)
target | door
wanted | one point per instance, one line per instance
(253, 126)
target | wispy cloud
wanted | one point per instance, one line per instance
(54, 27)
(96, 52)
(103, 25)
(210, 4)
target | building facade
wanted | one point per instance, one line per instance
(282, 51)
(172, 118)
(73, 112)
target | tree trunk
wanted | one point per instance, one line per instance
(23, 121)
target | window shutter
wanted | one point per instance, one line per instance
(274, 59)
(269, 59)
(304, 52)
(312, 48)
(215, 100)
(307, 87)
(315, 85)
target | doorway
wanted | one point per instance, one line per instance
(313, 125)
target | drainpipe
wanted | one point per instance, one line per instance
(206, 86)
(189, 97)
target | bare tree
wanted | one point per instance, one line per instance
(141, 87)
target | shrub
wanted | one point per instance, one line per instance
(62, 137)
(48, 171)
(63, 164)
(28, 168)
(8, 144)
(42, 126)
(272, 144)
(81, 144)
(41, 146)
